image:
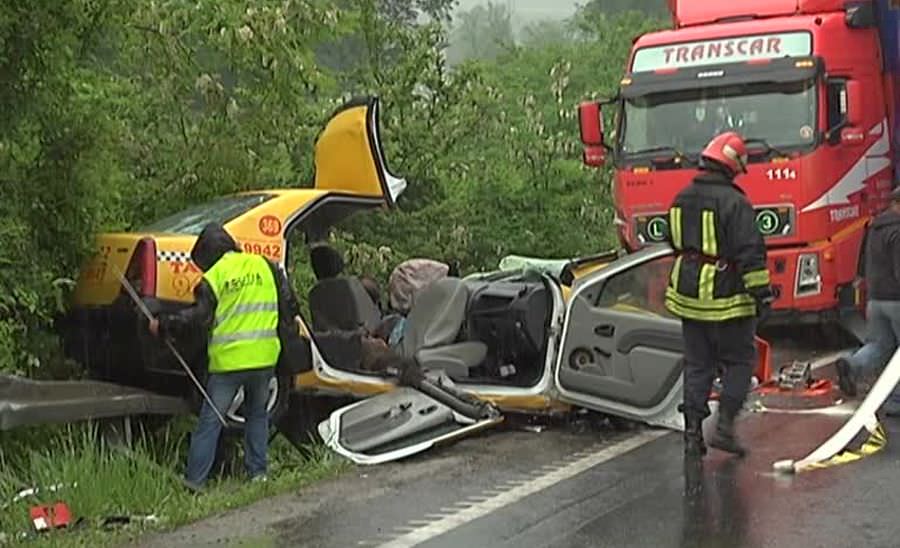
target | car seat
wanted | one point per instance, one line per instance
(336, 302)
(433, 326)
(342, 304)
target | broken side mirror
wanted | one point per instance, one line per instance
(590, 118)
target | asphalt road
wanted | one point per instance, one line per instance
(564, 488)
(576, 485)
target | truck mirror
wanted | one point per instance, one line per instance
(590, 118)
(854, 103)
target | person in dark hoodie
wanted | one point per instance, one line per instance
(719, 287)
(241, 303)
(882, 273)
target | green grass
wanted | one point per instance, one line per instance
(140, 481)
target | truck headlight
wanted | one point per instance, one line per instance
(809, 279)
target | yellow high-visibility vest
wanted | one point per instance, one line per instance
(245, 329)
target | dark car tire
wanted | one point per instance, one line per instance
(276, 410)
(300, 422)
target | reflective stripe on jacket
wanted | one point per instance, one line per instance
(245, 328)
(721, 255)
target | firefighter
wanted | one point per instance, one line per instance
(242, 304)
(719, 287)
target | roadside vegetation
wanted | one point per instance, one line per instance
(102, 482)
(115, 113)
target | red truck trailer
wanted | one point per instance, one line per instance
(810, 85)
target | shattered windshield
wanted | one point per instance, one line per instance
(221, 210)
(782, 114)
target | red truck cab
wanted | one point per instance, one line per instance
(809, 84)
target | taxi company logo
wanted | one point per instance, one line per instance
(844, 213)
(729, 50)
(270, 225)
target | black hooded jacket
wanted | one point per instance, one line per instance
(213, 242)
(882, 266)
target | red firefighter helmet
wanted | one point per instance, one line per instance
(729, 150)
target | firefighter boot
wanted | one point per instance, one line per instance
(724, 438)
(693, 436)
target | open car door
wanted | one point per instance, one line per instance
(350, 157)
(621, 351)
(404, 422)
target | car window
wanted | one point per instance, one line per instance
(221, 210)
(640, 290)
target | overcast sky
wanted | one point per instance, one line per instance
(532, 9)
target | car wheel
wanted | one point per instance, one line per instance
(276, 402)
(299, 424)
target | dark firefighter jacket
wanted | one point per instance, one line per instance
(720, 266)
(197, 320)
(882, 266)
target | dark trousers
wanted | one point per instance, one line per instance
(222, 388)
(709, 345)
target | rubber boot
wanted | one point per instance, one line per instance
(693, 436)
(724, 438)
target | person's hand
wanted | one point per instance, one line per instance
(764, 307)
(154, 327)
(375, 342)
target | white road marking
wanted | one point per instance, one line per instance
(523, 489)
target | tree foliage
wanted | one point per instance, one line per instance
(115, 113)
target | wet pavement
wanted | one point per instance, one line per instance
(499, 490)
(651, 498)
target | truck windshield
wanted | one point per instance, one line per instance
(782, 115)
(220, 210)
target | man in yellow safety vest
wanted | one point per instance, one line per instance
(239, 303)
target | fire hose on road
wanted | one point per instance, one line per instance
(832, 451)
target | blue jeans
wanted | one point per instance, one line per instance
(222, 388)
(882, 338)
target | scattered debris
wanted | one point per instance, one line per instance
(46, 517)
(118, 521)
(34, 491)
(796, 376)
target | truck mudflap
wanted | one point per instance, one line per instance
(25, 402)
(405, 422)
